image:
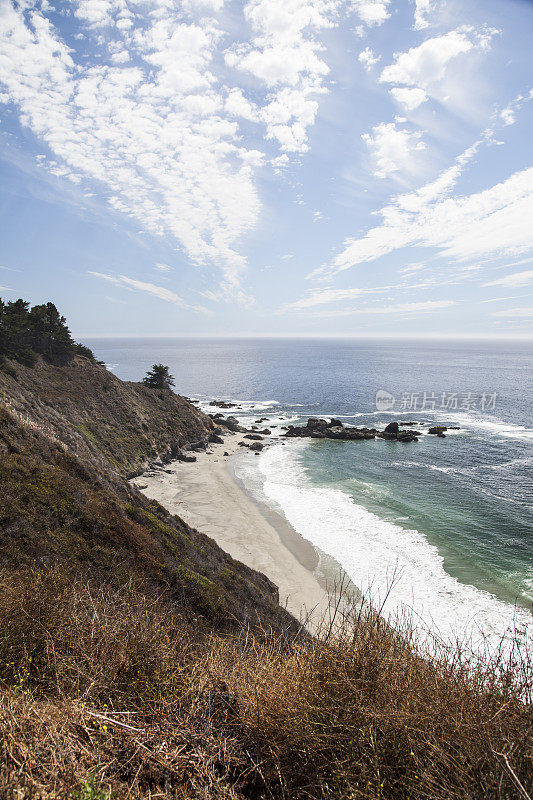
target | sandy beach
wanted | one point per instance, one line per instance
(208, 497)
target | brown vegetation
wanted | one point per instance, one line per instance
(117, 690)
(116, 425)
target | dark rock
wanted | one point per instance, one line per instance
(254, 436)
(407, 436)
(223, 404)
(226, 453)
(314, 423)
(185, 457)
(214, 439)
(436, 429)
(320, 429)
(231, 423)
(392, 427)
(335, 423)
(408, 423)
(441, 435)
(256, 446)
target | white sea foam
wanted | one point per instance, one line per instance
(375, 552)
(466, 421)
(490, 425)
(243, 405)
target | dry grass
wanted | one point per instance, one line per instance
(113, 690)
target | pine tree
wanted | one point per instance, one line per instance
(158, 377)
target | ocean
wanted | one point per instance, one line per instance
(442, 528)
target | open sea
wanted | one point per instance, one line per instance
(443, 527)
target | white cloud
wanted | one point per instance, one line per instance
(423, 10)
(409, 98)
(514, 312)
(319, 297)
(391, 148)
(371, 12)
(426, 64)
(368, 59)
(411, 268)
(154, 137)
(148, 288)
(423, 307)
(284, 54)
(508, 116)
(163, 268)
(237, 105)
(514, 280)
(496, 221)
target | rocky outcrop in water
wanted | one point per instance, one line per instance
(334, 429)
(393, 433)
(317, 428)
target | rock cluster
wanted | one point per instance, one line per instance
(334, 429)
(231, 423)
(393, 433)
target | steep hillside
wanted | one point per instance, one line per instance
(114, 424)
(71, 434)
(56, 508)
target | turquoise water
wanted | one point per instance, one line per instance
(448, 521)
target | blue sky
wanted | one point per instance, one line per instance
(271, 167)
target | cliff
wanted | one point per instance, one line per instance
(70, 435)
(99, 418)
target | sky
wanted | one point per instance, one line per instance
(270, 167)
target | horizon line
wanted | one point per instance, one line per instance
(379, 337)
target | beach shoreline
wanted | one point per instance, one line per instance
(209, 496)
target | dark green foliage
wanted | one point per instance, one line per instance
(28, 332)
(158, 377)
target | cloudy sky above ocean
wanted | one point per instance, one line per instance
(311, 167)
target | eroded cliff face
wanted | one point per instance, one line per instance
(69, 438)
(119, 425)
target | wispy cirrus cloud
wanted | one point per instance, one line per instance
(489, 223)
(318, 297)
(514, 280)
(514, 312)
(416, 308)
(161, 292)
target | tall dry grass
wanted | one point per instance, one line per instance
(116, 690)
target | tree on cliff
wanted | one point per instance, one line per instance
(158, 377)
(27, 332)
